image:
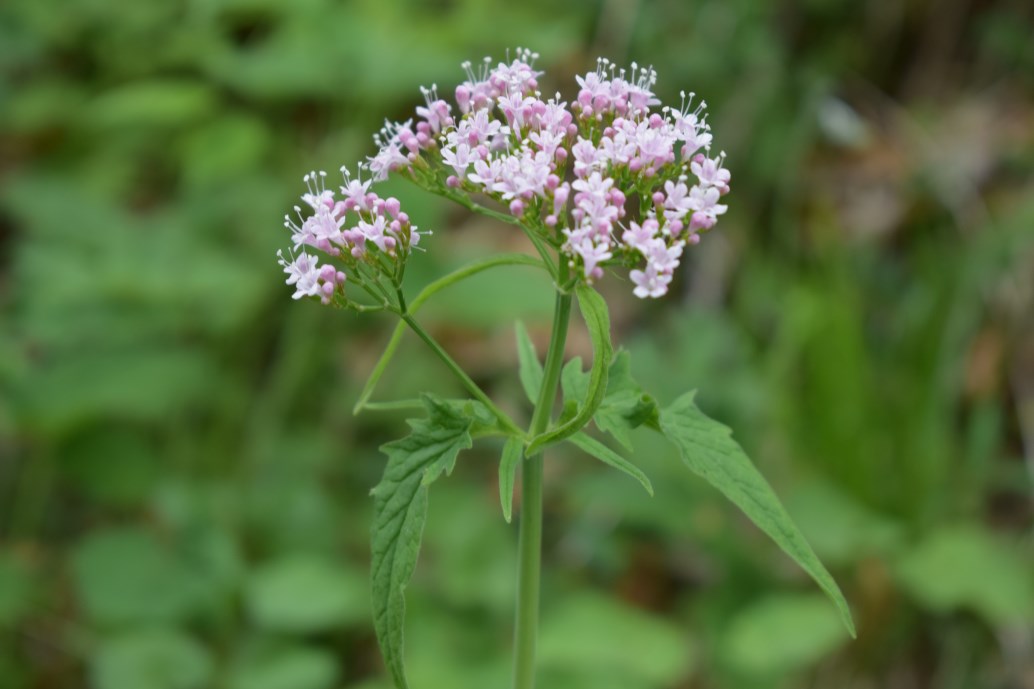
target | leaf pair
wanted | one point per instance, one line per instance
(606, 394)
(577, 385)
(705, 446)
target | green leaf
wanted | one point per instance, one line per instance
(968, 567)
(607, 456)
(708, 449)
(574, 382)
(159, 103)
(594, 311)
(782, 633)
(530, 367)
(126, 576)
(513, 452)
(151, 659)
(400, 509)
(614, 643)
(292, 667)
(482, 421)
(305, 593)
(625, 406)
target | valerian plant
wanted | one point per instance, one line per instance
(609, 180)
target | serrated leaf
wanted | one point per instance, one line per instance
(513, 452)
(708, 449)
(400, 509)
(625, 406)
(603, 453)
(482, 420)
(597, 319)
(530, 370)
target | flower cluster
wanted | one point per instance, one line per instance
(610, 179)
(375, 243)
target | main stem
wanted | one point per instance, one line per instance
(530, 539)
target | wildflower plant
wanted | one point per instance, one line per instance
(610, 181)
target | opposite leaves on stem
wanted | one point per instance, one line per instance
(597, 319)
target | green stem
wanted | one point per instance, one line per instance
(540, 246)
(425, 294)
(530, 539)
(468, 383)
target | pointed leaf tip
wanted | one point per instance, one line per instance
(708, 449)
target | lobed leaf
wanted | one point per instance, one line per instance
(708, 449)
(400, 509)
(625, 406)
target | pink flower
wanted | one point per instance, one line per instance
(650, 283)
(301, 272)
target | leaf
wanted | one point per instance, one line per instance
(482, 421)
(159, 103)
(151, 659)
(530, 367)
(292, 667)
(513, 452)
(840, 529)
(400, 509)
(574, 382)
(708, 449)
(607, 456)
(305, 593)
(126, 576)
(625, 406)
(968, 567)
(597, 319)
(589, 634)
(782, 633)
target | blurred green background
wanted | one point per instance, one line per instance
(184, 491)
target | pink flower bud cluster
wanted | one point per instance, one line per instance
(609, 179)
(358, 227)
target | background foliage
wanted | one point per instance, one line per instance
(183, 491)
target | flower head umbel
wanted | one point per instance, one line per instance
(366, 235)
(610, 178)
